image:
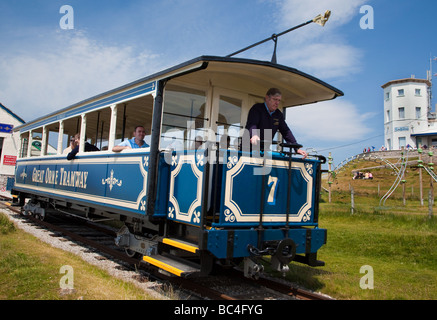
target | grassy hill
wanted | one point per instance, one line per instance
(384, 178)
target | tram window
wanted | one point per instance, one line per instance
(97, 128)
(24, 144)
(52, 132)
(228, 122)
(35, 151)
(137, 112)
(184, 117)
(96, 132)
(71, 127)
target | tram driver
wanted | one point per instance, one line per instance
(267, 116)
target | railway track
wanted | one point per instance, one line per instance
(229, 285)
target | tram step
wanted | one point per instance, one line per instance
(184, 245)
(172, 265)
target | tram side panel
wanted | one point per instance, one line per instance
(240, 183)
(186, 187)
(243, 199)
(245, 207)
(116, 182)
(237, 185)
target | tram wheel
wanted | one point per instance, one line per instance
(132, 254)
(41, 217)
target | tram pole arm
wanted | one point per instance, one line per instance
(321, 19)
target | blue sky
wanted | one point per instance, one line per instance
(44, 68)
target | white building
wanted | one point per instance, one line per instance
(408, 119)
(9, 143)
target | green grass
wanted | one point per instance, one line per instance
(397, 241)
(5, 225)
(30, 270)
(399, 247)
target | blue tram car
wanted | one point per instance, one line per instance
(193, 197)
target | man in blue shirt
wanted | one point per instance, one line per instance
(135, 143)
(267, 116)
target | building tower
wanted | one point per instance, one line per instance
(408, 120)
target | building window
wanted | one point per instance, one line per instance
(400, 92)
(388, 116)
(402, 142)
(387, 96)
(418, 112)
(401, 113)
(417, 92)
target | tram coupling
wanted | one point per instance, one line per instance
(135, 244)
(282, 253)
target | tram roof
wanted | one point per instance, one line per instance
(252, 76)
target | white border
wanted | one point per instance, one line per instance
(242, 217)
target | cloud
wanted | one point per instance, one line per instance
(327, 54)
(322, 52)
(328, 60)
(48, 75)
(330, 121)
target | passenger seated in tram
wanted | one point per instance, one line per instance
(74, 146)
(135, 143)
